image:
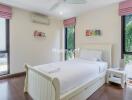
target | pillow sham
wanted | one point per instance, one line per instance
(91, 55)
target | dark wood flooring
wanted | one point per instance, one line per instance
(12, 89)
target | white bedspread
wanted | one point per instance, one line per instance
(73, 73)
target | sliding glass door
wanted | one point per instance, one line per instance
(69, 42)
(4, 46)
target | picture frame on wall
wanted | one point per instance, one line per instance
(39, 34)
(93, 32)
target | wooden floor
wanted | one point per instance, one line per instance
(12, 89)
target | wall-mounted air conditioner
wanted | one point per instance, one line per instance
(40, 18)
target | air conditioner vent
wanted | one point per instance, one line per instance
(40, 18)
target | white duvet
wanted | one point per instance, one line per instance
(73, 73)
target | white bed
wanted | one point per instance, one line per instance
(69, 80)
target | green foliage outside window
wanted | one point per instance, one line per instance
(128, 38)
(128, 33)
(70, 37)
(128, 58)
(70, 43)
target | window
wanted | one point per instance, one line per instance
(4, 46)
(69, 42)
(127, 38)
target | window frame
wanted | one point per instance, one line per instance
(66, 40)
(123, 51)
(8, 43)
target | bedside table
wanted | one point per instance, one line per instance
(117, 76)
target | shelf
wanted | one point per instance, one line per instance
(115, 80)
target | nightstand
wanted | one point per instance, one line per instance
(117, 76)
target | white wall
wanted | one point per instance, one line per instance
(107, 20)
(24, 48)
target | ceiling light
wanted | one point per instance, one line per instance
(61, 13)
(76, 1)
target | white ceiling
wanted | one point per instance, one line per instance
(63, 11)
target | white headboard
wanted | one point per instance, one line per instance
(105, 48)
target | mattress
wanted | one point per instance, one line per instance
(73, 73)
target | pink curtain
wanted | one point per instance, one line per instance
(125, 7)
(5, 12)
(69, 22)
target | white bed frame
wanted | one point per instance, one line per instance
(42, 86)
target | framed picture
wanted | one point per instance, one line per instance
(93, 33)
(39, 34)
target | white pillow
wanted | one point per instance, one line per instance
(91, 55)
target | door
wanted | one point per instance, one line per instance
(4, 46)
(69, 42)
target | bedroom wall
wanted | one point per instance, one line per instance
(107, 20)
(24, 48)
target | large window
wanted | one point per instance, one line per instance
(127, 38)
(4, 46)
(69, 42)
